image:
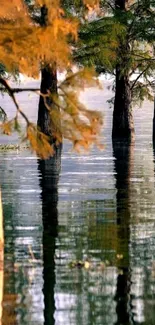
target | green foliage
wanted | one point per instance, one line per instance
(124, 37)
(98, 42)
(141, 92)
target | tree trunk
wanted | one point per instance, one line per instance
(123, 126)
(48, 82)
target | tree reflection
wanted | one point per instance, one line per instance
(123, 153)
(49, 172)
(7, 274)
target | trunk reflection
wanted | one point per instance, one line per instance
(49, 170)
(123, 153)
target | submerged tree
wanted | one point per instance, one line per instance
(49, 80)
(27, 45)
(120, 41)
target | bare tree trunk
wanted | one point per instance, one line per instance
(123, 126)
(48, 83)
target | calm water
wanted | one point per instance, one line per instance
(98, 208)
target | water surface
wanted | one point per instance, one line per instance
(98, 208)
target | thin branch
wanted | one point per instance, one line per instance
(11, 93)
(134, 70)
(143, 58)
(111, 7)
(135, 81)
(72, 75)
(136, 13)
(18, 90)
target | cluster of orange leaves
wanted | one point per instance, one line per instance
(78, 124)
(26, 46)
(39, 142)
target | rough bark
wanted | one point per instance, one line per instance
(123, 126)
(48, 82)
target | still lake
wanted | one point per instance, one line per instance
(98, 208)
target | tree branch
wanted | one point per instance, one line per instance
(111, 7)
(143, 58)
(135, 81)
(18, 90)
(11, 93)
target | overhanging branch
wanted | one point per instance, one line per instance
(11, 93)
(18, 90)
(140, 75)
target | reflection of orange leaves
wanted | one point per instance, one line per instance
(100, 146)
(9, 307)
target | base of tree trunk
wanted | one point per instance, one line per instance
(123, 125)
(125, 134)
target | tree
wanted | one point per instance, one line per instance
(121, 42)
(48, 82)
(48, 75)
(27, 46)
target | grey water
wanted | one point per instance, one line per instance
(80, 230)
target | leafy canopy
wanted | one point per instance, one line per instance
(123, 34)
(27, 46)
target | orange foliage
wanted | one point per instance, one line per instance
(39, 142)
(27, 46)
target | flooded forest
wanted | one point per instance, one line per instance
(80, 228)
(77, 162)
